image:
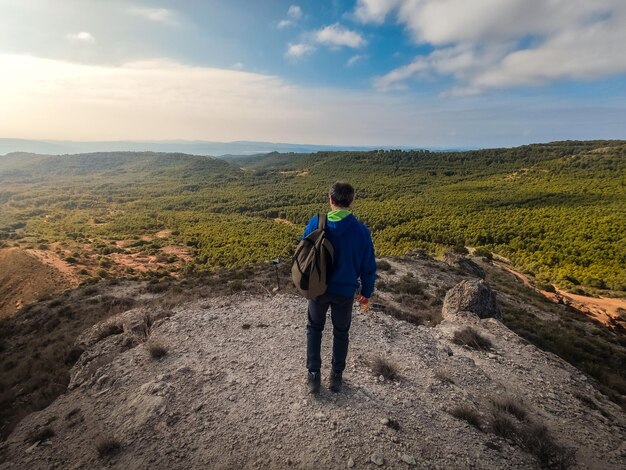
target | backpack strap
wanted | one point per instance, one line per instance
(321, 221)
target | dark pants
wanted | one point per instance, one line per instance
(341, 315)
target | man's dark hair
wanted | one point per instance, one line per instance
(342, 194)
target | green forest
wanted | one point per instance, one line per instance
(557, 211)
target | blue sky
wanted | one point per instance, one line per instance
(443, 73)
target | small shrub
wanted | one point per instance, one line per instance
(383, 366)
(502, 425)
(536, 439)
(383, 265)
(236, 285)
(483, 252)
(157, 287)
(460, 249)
(393, 424)
(467, 413)
(511, 405)
(107, 446)
(408, 285)
(157, 350)
(468, 336)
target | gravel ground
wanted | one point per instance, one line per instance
(230, 392)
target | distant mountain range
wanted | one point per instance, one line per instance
(199, 147)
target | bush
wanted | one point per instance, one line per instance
(407, 285)
(468, 336)
(460, 249)
(483, 252)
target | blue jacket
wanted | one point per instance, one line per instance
(354, 256)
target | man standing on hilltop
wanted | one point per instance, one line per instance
(353, 260)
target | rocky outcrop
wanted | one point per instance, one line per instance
(230, 393)
(104, 341)
(471, 296)
(464, 264)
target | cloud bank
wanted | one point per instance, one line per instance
(485, 44)
(161, 99)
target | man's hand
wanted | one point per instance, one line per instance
(364, 302)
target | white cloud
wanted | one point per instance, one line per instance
(294, 15)
(161, 100)
(238, 66)
(294, 12)
(374, 11)
(82, 37)
(336, 35)
(503, 43)
(158, 15)
(299, 50)
(355, 59)
(284, 24)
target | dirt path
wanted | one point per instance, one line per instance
(603, 309)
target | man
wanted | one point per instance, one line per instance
(354, 259)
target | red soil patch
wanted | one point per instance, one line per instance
(29, 275)
(603, 309)
(174, 250)
(163, 234)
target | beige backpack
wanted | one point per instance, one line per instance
(313, 261)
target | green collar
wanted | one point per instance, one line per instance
(336, 216)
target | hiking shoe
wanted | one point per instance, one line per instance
(335, 382)
(314, 382)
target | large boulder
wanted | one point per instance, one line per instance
(471, 296)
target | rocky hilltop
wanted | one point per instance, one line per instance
(219, 383)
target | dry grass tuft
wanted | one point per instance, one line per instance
(536, 439)
(156, 349)
(383, 366)
(469, 337)
(510, 404)
(502, 424)
(467, 413)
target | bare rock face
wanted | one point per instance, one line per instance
(474, 296)
(465, 264)
(103, 342)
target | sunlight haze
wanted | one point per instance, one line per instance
(366, 72)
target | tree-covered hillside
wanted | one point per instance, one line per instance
(556, 210)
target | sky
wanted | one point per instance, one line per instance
(422, 73)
